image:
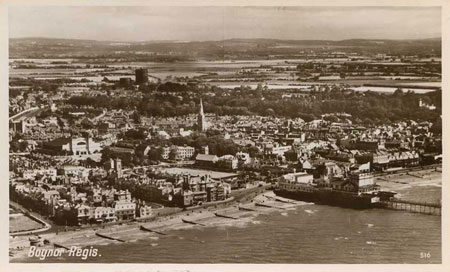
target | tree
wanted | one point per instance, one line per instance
(134, 134)
(437, 126)
(173, 154)
(23, 146)
(398, 92)
(136, 117)
(270, 112)
(106, 154)
(155, 154)
(14, 146)
(252, 151)
(91, 163)
(291, 155)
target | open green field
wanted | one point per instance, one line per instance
(20, 222)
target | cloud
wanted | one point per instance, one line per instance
(215, 23)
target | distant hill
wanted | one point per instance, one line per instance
(230, 49)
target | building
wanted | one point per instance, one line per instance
(380, 160)
(116, 165)
(371, 145)
(425, 105)
(165, 152)
(32, 173)
(243, 158)
(122, 195)
(104, 215)
(180, 152)
(330, 170)
(74, 146)
(82, 213)
(403, 159)
(124, 209)
(125, 82)
(79, 172)
(124, 151)
(105, 127)
(206, 160)
(201, 120)
(301, 177)
(201, 189)
(271, 149)
(362, 180)
(228, 162)
(143, 210)
(205, 150)
(141, 76)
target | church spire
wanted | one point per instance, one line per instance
(201, 107)
(201, 120)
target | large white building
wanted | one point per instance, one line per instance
(124, 209)
(84, 146)
(180, 152)
(75, 146)
(300, 177)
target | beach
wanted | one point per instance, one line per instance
(218, 215)
(409, 186)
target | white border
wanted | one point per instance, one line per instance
(4, 228)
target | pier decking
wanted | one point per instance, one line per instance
(413, 206)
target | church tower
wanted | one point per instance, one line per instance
(201, 120)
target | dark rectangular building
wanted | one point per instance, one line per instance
(141, 76)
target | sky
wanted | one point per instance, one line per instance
(147, 23)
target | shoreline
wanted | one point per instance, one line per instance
(229, 215)
(131, 231)
(404, 182)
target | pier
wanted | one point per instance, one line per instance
(413, 206)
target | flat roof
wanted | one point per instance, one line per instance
(198, 172)
(299, 174)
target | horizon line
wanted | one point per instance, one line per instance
(222, 40)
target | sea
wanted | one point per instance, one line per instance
(306, 234)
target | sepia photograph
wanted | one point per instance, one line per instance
(182, 134)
